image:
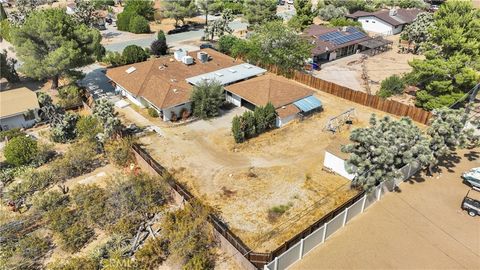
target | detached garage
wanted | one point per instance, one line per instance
(290, 99)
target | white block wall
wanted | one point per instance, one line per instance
(373, 24)
(337, 165)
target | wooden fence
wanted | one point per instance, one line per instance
(389, 106)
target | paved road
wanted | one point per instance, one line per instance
(175, 38)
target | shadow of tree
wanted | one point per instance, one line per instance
(472, 155)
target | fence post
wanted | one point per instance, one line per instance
(364, 201)
(324, 232)
(379, 191)
(276, 264)
(300, 256)
(345, 216)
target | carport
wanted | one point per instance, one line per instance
(376, 45)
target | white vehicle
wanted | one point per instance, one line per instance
(472, 178)
(290, 2)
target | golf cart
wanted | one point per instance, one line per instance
(472, 178)
(471, 205)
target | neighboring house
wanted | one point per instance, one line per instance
(385, 22)
(18, 108)
(335, 159)
(290, 99)
(331, 43)
(166, 83)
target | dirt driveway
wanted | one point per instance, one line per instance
(421, 227)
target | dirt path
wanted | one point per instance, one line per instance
(420, 227)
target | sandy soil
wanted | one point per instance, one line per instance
(347, 71)
(281, 167)
(420, 227)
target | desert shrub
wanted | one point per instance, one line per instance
(200, 261)
(393, 85)
(90, 203)
(152, 112)
(114, 59)
(88, 127)
(276, 211)
(7, 174)
(51, 200)
(120, 152)
(76, 236)
(79, 159)
(152, 254)
(59, 219)
(138, 25)
(64, 131)
(207, 98)
(134, 54)
(69, 95)
(33, 247)
(31, 181)
(75, 263)
(44, 154)
(11, 133)
(126, 226)
(20, 150)
(6, 30)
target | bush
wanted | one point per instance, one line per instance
(79, 159)
(134, 54)
(20, 151)
(159, 47)
(59, 219)
(140, 7)
(202, 260)
(393, 85)
(237, 131)
(138, 25)
(251, 124)
(226, 43)
(152, 112)
(33, 247)
(90, 202)
(120, 152)
(207, 98)
(32, 181)
(152, 254)
(88, 127)
(338, 22)
(50, 201)
(10, 134)
(114, 59)
(76, 236)
(75, 263)
(123, 20)
(70, 95)
(6, 30)
(8, 174)
(44, 154)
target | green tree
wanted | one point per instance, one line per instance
(7, 68)
(179, 10)
(70, 95)
(138, 25)
(304, 15)
(249, 125)
(226, 43)
(65, 130)
(207, 7)
(88, 127)
(258, 12)
(418, 30)
(207, 97)
(377, 152)
(20, 150)
(238, 134)
(51, 43)
(452, 53)
(159, 46)
(331, 12)
(120, 152)
(412, 4)
(85, 12)
(134, 54)
(393, 85)
(123, 20)
(105, 113)
(143, 8)
(275, 44)
(339, 22)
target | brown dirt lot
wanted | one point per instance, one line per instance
(281, 167)
(420, 227)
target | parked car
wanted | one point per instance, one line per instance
(472, 178)
(471, 205)
(206, 46)
(180, 29)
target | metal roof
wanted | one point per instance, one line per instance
(228, 75)
(307, 104)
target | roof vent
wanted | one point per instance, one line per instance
(232, 70)
(218, 74)
(247, 66)
(130, 70)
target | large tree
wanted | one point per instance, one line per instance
(377, 152)
(260, 11)
(304, 14)
(452, 52)
(220, 27)
(275, 44)
(179, 10)
(7, 68)
(51, 43)
(85, 12)
(207, 97)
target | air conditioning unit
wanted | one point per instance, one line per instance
(179, 54)
(187, 60)
(203, 57)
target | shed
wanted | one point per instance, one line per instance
(335, 159)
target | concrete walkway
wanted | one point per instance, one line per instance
(420, 227)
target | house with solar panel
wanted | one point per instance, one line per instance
(331, 43)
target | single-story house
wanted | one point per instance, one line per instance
(289, 98)
(331, 43)
(385, 22)
(335, 159)
(166, 83)
(18, 108)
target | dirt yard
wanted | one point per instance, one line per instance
(348, 71)
(419, 227)
(281, 169)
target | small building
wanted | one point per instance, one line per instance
(334, 160)
(18, 108)
(290, 99)
(334, 42)
(385, 22)
(166, 83)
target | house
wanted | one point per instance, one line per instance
(385, 22)
(18, 108)
(166, 83)
(334, 160)
(290, 99)
(331, 43)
